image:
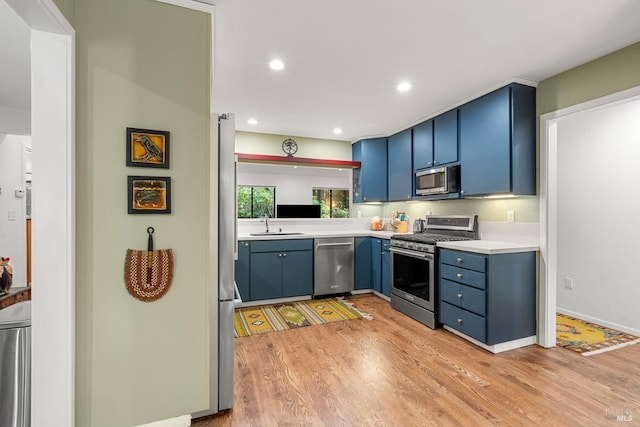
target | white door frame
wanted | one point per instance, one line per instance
(53, 213)
(549, 206)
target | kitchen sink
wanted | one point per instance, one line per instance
(274, 233)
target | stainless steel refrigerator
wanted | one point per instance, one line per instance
(223, 296)
(15, 365)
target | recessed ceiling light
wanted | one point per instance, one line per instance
(403, 86)
(337, 131)
(252, 121)
(276, 64)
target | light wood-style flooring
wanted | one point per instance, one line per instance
(393, 371)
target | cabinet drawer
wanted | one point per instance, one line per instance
(466, 297)
(463, 321)
(461, 275)
(463, 259)
(281, 245)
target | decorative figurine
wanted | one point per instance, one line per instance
(6, 276)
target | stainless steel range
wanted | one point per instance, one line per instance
(413, 264)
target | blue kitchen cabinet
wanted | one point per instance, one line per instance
(371, 182)
(445, 138)
(242, 270)
(491, 298)
(281, 268)
(362, 266)
(385, 280)
(497, 143)
(435, 142)
(423, 146)
(399, 167)
(381, 266)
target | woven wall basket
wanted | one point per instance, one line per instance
(148, 275)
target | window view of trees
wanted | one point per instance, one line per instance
(334, 202)
(256, 202)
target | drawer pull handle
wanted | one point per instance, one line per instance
(459, 275)
(459, 259)
(459, 296)
(459, 320)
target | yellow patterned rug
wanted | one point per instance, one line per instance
(279, 317)
(589, 338)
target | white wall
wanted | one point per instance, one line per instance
(598, 214)
(293, 185)
(13, 231)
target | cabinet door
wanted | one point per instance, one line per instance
(445, 138)
(423, 146)
(356, 156)
(362, 270)
(242, 272)
(400, 173)
(385, 270)
(297, 273)
(373, 172)
(376, 264)
(485, 144)
(266, 275)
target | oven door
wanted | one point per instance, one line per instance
(412, 277)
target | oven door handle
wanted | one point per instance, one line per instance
(412, 253)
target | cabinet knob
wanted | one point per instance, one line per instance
(459, 320)
(459, 296)
(428, 163)
(458, 259)
(435, 162)
(459, 275)
(246, 245)
(461, 191)
(284, 255)
(279, 255)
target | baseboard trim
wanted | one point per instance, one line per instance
(182, 421)
(496, 348)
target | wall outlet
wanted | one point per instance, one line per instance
(511, 216)
(568, 283)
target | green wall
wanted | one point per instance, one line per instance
(612, 73)
(271, 144)
(68, 9)
(140, 64)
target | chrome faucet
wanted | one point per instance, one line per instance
(266, 222)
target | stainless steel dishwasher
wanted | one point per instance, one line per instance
(333, 265)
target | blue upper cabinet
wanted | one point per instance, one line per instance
(371, 183)
(445, 138)
(356, 188)
(423, 145)
(400, 178)
(497, 143)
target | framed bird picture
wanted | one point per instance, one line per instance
(147, 148)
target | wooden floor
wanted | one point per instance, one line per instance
(393, 371)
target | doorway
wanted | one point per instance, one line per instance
(53, 203)
(549, 203)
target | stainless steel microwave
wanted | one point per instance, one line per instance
(440, 180)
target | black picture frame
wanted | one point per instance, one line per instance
(148, 148)
(148, 194)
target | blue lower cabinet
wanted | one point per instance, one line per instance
(362, 267)
(281, 268)
(491, 298)
(242, 270)
(381, 266)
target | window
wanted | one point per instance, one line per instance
(256, 202)
(334, 202)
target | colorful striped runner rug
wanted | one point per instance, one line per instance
(589, 338)
(262, 319)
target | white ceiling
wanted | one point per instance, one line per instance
(343, 59)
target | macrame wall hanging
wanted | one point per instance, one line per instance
(148, 274)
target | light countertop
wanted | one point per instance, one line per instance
(319, 234)
(488, 247)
